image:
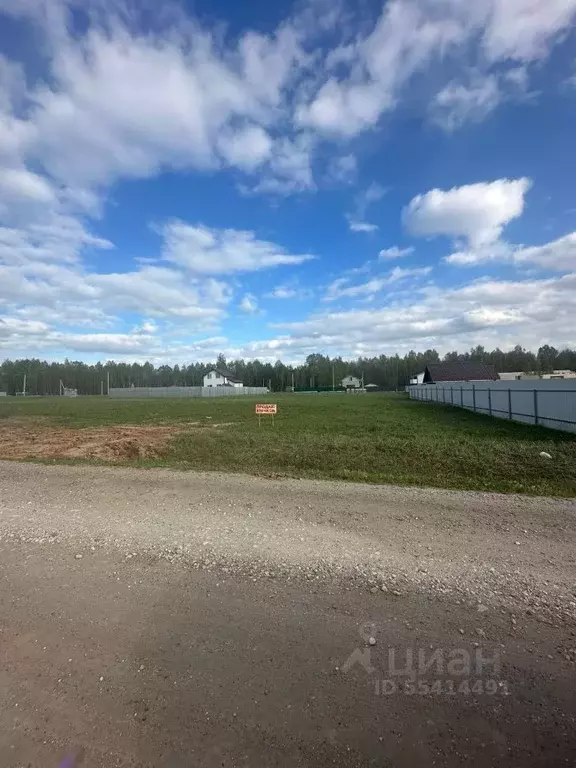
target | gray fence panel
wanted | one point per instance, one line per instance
(135, 393)
(551, 403)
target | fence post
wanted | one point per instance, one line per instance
(474, 396)
(461, 396)
(509, 403)
(489, 401)
(535, 406)
(452, 395)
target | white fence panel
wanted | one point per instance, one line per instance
(135, 393)
(550, 403)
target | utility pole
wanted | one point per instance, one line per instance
(24, 387)
(101, 387)
(107, 382)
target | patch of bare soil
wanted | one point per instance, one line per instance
(21, 440)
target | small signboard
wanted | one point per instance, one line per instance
(266, 409)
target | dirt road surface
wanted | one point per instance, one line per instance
(156, 618)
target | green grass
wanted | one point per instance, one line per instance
(382, 438)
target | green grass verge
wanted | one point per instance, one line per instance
(382, 438)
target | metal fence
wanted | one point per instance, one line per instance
(547, 403)
(139, 392)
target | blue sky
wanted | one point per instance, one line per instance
(270, 180)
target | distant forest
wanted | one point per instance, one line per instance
(319, 371)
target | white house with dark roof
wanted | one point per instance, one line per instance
(220, 377)
(351, 382)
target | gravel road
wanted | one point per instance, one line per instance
(157, 618)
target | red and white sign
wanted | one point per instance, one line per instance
(270, 408)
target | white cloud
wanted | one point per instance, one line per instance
(362, 201)
(212, 251)
(525, 30)
(489, 312)
(246, 149)
(344, 110)
(148, 326)
(558, 255)
(69, 291)
(387, 254)
(343, 169)
(477, 212)
(290, 167)
(290, 290)
(458, 103)
(249, 304)
(20, 185)
(410, 36)
(361, 226)
(372, 194)
(52, 237)
(340, 288)
(116, 103)
(119, 103)
(282, 292)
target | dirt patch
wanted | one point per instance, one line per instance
(21, 440)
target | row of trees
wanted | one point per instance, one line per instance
(388, 372)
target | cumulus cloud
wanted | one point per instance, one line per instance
(246, 149)
(18, 184)
(116, 102)
(124, 104)
(558, 255)
(211, 251)
(489, 312)
(120, 103)
(410, 36)
(388, 254)
(524, 30)
(290, 167)
(477, 212)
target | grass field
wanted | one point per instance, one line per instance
(383, 438)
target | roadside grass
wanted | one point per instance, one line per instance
(380, 438)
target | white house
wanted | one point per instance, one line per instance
(219, 377)
(351, 382)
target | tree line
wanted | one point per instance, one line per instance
(319, 371)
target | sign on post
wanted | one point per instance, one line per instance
(266, 409)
